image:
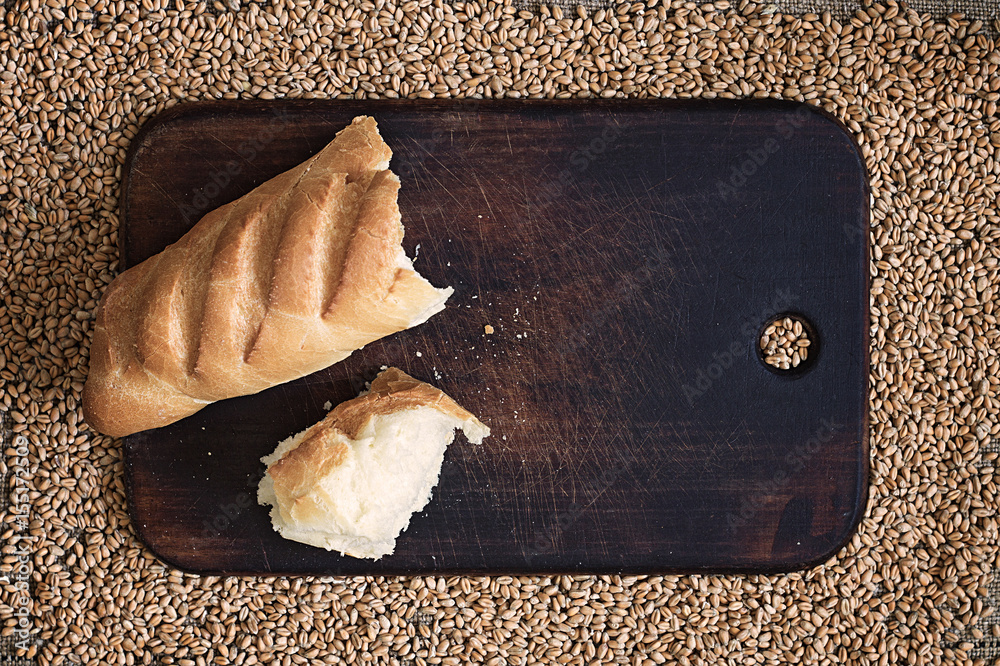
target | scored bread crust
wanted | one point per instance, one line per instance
(294, 481)
(287, 280)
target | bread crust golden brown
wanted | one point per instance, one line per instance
(392, 391)
(285, 281)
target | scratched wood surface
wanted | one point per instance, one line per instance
(627, 256)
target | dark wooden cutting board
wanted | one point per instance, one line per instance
(627, 255)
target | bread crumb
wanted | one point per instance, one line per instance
(488, 329)
(327, 406)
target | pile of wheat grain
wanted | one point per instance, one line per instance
(785, 343)
(76, 82)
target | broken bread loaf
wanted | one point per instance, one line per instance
(285, 281)
(351, 482)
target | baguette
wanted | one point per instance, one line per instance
(351, 482)
(287, 280)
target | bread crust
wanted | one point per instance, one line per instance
(285, 281)
(392, 391)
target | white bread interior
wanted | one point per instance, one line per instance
(285, 281)
(351, 482)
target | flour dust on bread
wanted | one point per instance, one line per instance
(351, 482)
(287, 280)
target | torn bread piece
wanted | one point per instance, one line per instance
(351, 482)
(285, 281)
